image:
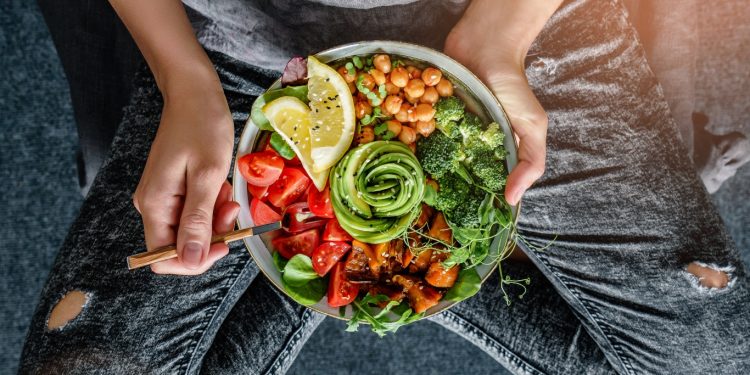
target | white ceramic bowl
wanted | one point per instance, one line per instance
(479, 99)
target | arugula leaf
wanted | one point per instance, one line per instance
(256, 113)
(467, 285)
(279, 144)
(381, 323)
(302, 282)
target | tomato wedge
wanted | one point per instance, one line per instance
(340, 291)
(325, 256)
(260, 192)
(334, 232)
(262, 213)
(291, 184)
(261, 168)
(300, 243)
(298, 218)
(320, 202)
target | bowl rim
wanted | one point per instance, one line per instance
(515, 210)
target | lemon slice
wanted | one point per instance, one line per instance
(332, 117)
(290, 117)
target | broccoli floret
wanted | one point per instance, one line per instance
(493, 136)
(488, 169)
(452, 191)
(438, 154)
(448, 113)
(470, 126)
(466, 214)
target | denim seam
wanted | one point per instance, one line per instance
(283, 355)
(509, 355)
(557, 280)
(210, 316)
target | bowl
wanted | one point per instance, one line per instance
(478, 98)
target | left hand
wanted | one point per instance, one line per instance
(498, 59)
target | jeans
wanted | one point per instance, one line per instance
(610, 229)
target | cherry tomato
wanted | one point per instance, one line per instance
(262, 213)
(334, 232)
(325, 256)
(320, 202)
(340, 291)
(300, 243)
(260, 192)
(298, 218)
(261, 168)
(290, 185)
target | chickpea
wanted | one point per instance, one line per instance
(415, 88)
(400, 77)
(425, 128)
(425, 112)
(412, 113)
(431, 76)
(414, 72)
(403, 113)
(392, 104)
(391, 89)
(430, 95)
(362, 108)
(366, 135)
(382, 63)
(408, 135)
(444, 88)
(378, 76)
(394, 127)
(352, 87)
(367, 81)
(345, 73)
(410, 99)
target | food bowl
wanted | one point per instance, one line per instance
(478, 98)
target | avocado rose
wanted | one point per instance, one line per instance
(376, 191)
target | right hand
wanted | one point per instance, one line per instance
(183, 196)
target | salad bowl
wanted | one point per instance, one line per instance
(478, 99)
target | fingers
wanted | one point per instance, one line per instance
(529, 122)
(195, 229)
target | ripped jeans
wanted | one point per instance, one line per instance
(632, 271)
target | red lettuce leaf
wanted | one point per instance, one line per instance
(295, 72)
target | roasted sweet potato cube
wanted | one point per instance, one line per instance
(357, 266)
(422, 297)
(441, 277)
(440, 230)
(393, 292)
(424, 216)
(421, 262)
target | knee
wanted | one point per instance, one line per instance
(67, 309)
(709, 276)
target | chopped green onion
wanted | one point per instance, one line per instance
(350, 68)
(381, 128)
(357, 62)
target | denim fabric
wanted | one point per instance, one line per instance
(619, 213)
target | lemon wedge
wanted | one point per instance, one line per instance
(332, 116)
(290, 117)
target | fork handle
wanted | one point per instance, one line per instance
(170, 251)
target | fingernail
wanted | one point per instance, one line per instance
(191, 255)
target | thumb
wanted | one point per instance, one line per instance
(529, 123)
(195, 230)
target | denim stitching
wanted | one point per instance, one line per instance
(489, 341)
(551, 273)
(210, 316)
(282, 358)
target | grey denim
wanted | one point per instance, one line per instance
(611, 226)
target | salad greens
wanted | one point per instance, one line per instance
(256, 112)
(279, 144)
(467, 285)
(300, 279)
(380, 322)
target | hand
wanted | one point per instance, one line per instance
(498, 59)
(183, 196)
